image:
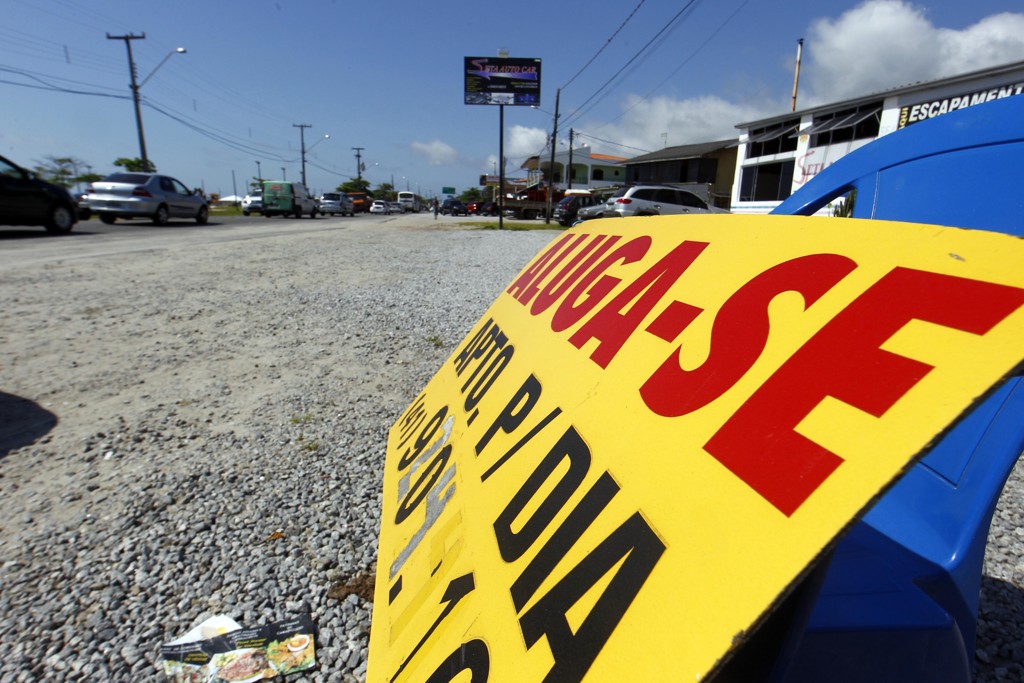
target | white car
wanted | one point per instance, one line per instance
(380, 206)
(252, 202)
(656, 200)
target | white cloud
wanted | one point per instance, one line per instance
(436, 152)
(877, 45)
(882, 44)
(653, 123)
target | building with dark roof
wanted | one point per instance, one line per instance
(776, 156)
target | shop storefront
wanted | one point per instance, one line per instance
(777, 156)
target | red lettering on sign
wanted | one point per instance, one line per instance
(557, 286)
(739, 334)
(571, 310)
(550, 256)
(759, 443)
(611, 326)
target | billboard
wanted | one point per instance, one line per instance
(502, 80)
(660, 426)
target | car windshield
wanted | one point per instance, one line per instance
(330, 195)
(135, 178)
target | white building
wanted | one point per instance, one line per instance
(777, 155)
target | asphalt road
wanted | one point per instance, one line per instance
(91, 238)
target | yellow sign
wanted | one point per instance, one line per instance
(659, 426)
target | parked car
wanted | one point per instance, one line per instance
(568, 207)
(453, 207)
(380, 206)
(487, 209)
(252, 202)
(25, 199)
(146, 195)
(285, 198)
(336, 202)
(589, 212)
(656, 200)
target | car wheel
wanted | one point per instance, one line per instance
(61, 219)
(203, 215)
(162, 215)
(108, 218)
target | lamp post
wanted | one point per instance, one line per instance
(135, 88)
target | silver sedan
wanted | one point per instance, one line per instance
(145, 195)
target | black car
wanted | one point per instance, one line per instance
(454, 207)
(569, 206)
(27, 200)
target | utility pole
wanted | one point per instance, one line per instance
(551, 168)
(135, 93)
(359, 163)
(259, 172)
(302, 137)
(571, 131)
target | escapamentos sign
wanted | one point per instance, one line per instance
(660, 425)
(502, 80)
(916, 113)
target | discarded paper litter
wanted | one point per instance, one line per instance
(221, 651)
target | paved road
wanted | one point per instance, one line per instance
(89, 239)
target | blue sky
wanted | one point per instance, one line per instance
(635, 76)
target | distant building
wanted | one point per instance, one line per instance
(705, 163)
(778, 155)
(589, 170)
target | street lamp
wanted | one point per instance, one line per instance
(135, 87)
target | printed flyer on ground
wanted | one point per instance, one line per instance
(242, 655)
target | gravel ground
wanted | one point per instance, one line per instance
(199, 429)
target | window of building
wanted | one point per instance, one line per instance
(598, 174)
(772, 139)
(767, 182)
(845, 125)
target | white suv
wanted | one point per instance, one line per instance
(656, 200)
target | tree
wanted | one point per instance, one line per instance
(135, 164)
(473, 194)
(354, 185)
(63, 171)
(386, 192)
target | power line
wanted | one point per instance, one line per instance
(576, 113)
(686, 61)
(606, 44)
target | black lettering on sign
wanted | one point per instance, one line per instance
(482, 345)
(457, 589)
(411, 420)
(512, 544)
(472, 656)
(426, 438)
(635, 545)
(424, 482)
(578, 521)
(518, 407)
(432, 511)
(471, 347)
(494, 369)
